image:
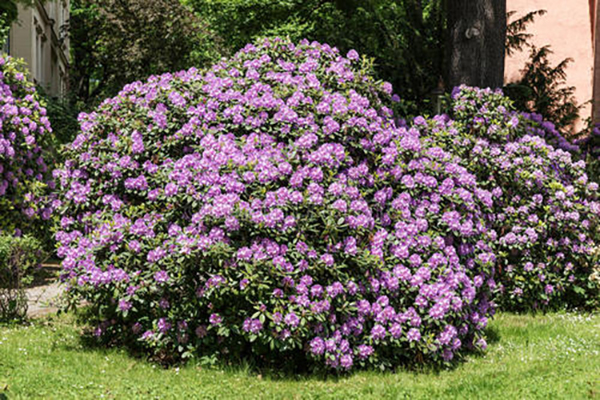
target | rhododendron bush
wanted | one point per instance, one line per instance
(24, 134)
(546, 210)
(271, 207)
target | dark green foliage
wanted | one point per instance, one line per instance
(63, 116)
(407, 38)
(62, 113)
(543, 89)
(517, 37)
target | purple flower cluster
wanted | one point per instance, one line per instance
(24, 130)
(273, 201)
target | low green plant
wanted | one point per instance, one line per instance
(20, 258)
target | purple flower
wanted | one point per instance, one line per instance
(164, 303)
(170, 189)
(346, 361)
(378, 332)
(161, 276)
(327, 259)
(124, 305)
(317, 346)
(156, 255)
(252, 325)
(447, 355)
(244, 253)
(148, 335)
(352, 55)
(163, 325)
(364, 351)
(292, 319)
(481, 344)
(135, 246)
(215, 319)
(396, 330)
(413, 335)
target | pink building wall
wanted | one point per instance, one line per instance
(568, 28)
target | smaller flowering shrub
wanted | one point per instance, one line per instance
(24, 134)
(269, 207)
(546, 210)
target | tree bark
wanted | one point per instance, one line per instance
(476, 42)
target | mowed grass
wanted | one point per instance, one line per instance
(554, 356)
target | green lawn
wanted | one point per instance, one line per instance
(556, 356)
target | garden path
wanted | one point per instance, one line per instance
(43, 296)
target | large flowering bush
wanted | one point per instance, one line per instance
(271, 207)
(546, 211)
(24, 131)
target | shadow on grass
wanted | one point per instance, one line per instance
(291, 367)
(492, 335)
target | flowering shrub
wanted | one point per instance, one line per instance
(270, 207)
(546, 210)
(24, 130)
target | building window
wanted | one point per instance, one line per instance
(40, 51)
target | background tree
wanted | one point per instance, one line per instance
(406, 38)
(543, 89)
(119, 41)
(517, 37)
(476, 42)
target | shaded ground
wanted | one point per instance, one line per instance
(43, 295)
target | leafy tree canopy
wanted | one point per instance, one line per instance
(405, 37)
(115, 42)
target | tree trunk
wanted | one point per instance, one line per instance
(476, 36)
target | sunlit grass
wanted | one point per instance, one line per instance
(555, 356)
